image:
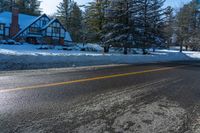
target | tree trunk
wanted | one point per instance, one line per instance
(186, 47)
(144, 51)
(154, 48)
(181, 47)
(125, 50)
(106, 49)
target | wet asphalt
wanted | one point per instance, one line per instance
(21, 106)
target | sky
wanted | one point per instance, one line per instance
(50, 7)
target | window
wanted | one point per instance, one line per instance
(55, 41)
(44, 22)
(34, 29)
(56, 30)
(1, 27)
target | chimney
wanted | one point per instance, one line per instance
(14, 27)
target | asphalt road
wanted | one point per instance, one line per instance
(80, 100)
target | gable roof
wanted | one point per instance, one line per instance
(67, 35)
(52, 21)
(24, 20)
(36, 19)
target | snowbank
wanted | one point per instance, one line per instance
(18, 57)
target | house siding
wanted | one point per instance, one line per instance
(48, 40)
(2, 31)
(62, 42)
(56, 32)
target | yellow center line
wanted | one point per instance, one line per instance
(87, 79)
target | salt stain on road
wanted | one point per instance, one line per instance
(133, 109)
(162, 116)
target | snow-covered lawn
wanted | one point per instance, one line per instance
(29, 56)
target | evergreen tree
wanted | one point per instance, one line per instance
(188, 26)
(158, 21)
(75, 22)
(34, 7)
(70, 15)
(63, 12)
(88, 33)
(147, 20)
(5, 5)
(31, 7)
(94, 19)
(117, 29)
(169, 27)
(141, 19)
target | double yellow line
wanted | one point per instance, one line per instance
(87, 79)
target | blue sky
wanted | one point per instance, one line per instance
(49, 7)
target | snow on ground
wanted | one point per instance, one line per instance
(27, 56)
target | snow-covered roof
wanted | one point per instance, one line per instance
(33, 21)
(68, 37)
(24, 20)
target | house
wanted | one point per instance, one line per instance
(32, 29)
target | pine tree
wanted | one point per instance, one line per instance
(169, 27)
(31, 7)
(94, 19)
(88, 33)
(63, 12)
(188, 26)
(117, 28)
(75, 22)
(70, 15)
(158, 20)
(5, 5)
(34, 7)
(147, 19)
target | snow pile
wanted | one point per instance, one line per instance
(46, 50)
(90, 47)
(194, 55)
(28, 56)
